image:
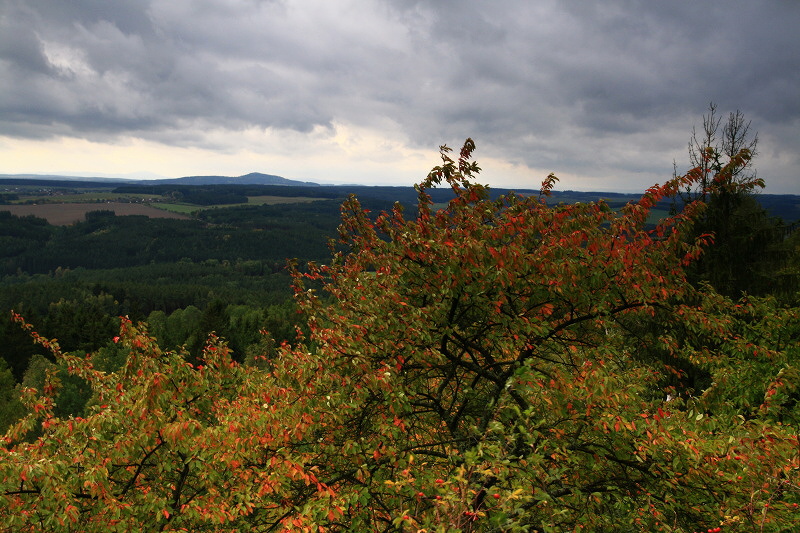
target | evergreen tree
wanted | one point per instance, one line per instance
(746, 247)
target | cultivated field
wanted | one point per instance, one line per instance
(276, 200)
(251, 200)
(70, 213)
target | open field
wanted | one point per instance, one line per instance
(70, 213)
(275, 200)
(251, 200)
(180, 209)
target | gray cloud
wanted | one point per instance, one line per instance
(574, 87)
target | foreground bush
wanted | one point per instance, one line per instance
(497, 365)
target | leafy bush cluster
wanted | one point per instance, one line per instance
(499, 364)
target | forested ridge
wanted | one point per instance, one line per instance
(105, 241)
(110, 266)
(471, 360)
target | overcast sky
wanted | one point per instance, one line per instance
(604, 94)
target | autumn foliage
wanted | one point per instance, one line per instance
(499, 364)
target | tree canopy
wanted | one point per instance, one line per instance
(494, 365)
(748, 252)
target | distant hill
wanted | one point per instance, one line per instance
(55, 180)
(254, 178)
(786, 206)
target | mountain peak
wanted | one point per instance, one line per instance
(253, 178)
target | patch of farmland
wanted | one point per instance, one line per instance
(275, 200)
(70, 213)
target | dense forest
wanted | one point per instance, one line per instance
(444, 358)
(64, 277)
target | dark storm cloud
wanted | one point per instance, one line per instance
(88, 70)
(628, 71)
(567, 86)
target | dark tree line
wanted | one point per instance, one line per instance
(104, 241)
(750, 251)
